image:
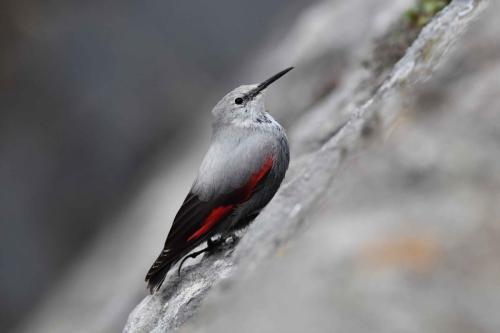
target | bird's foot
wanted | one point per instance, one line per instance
(213, 245)
(192, 255)
(223, 242)
(232, 239)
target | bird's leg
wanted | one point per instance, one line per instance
(192, 255)
(212, 245)
(223, 241)
(231, 238)
(235, 238)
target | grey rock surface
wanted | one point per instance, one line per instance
(399, 236)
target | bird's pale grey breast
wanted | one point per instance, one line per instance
(235, 154)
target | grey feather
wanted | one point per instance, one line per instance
(234, 173)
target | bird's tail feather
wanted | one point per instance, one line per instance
(159, 269)
(155, 280)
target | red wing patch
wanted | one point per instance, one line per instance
(215, 215)
(256, 178)
(244, 194)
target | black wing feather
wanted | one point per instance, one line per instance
(188, 220)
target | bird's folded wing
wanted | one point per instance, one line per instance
(197, 217)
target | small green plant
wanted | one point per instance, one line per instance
(423, 11)
(390, 47)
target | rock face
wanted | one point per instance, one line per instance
(396, 176)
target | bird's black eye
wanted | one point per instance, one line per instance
(238, 100)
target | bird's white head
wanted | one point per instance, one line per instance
(244, 104)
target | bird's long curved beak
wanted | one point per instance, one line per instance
(267, 82)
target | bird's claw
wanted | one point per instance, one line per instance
(192, 255)
(212, 245)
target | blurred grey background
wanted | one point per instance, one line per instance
(91, 94)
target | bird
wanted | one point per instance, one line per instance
(242, 170)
